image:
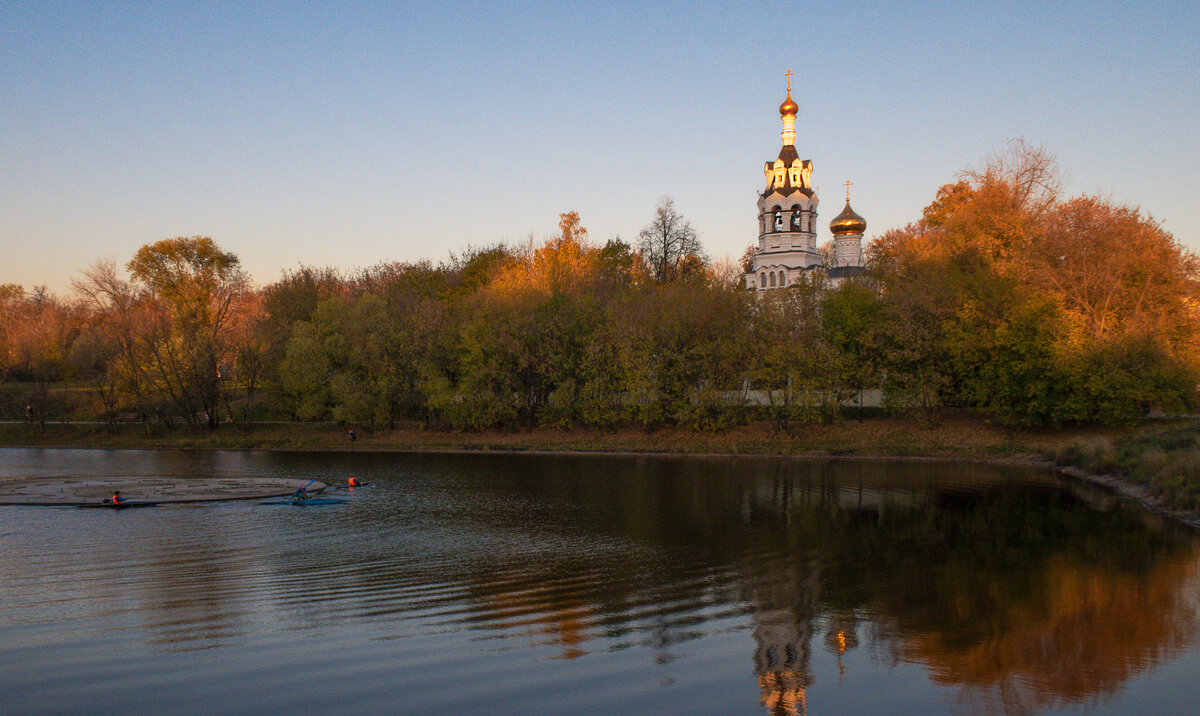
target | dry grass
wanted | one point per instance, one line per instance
(959, 437)
(1165, 459)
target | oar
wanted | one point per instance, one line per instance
(303, 488)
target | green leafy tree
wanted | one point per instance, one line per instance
(851, 322)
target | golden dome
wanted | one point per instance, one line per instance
(789, 106)
(848, 222)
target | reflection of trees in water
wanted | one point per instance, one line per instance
(1010, 591)
(1081, 633)
(193, 588)
(1005, 587)
(1024, 600)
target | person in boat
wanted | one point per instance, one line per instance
(352, 482)
(300, 495)
(116, 498)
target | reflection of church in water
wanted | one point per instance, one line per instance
(791, 614)
(787, 220)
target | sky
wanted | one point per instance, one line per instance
(349, 134)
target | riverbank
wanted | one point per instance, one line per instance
(1157, 463)
(888, 437)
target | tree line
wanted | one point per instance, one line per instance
(1005, 297)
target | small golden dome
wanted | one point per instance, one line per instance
(789, 107)
(848, 222)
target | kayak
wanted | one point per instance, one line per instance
(119, 505)
(303, 503)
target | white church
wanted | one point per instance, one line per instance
(787, 220)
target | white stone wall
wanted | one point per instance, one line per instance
(847, 250)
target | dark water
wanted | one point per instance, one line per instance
(521, 584)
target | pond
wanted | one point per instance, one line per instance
(519, 584)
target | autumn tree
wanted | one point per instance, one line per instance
(123, 323)
(196, 288)
(1007, 298)
(11, 298)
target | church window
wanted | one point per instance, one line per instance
(782, 278)
(778, 220)
(762, 279)
(795, 218)
(772, 279)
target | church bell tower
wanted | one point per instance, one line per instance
(787, 212)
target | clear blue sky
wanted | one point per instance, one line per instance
(345, 135)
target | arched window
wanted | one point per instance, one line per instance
(762, 280)
(795, 218)
(772, 279)
(778, 220)
(782, 278)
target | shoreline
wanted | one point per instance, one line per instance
(954, 440)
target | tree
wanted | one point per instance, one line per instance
(197, 287)
(669, 244)
(1038, 310)
(340, 365)
(287, 303)
(792, 361)
(619, 265)
(12, 296)
(851, 318)
(117, 314)
(39, 344)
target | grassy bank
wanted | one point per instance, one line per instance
(1161, 460)
(960, 437)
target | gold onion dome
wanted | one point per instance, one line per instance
(848, 222)
(789, 105)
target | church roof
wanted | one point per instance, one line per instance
(787, 154)
(847, 222)
(845, 271)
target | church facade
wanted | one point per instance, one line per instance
(787, 220)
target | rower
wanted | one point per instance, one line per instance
(300, 495)
(353, 482)
(116, 498)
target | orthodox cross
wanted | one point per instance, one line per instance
(789, 76)
(848, 184)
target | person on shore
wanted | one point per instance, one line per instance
(29, 413)
(352, 435)
(116, 498)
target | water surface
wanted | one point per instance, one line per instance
(529, 584)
